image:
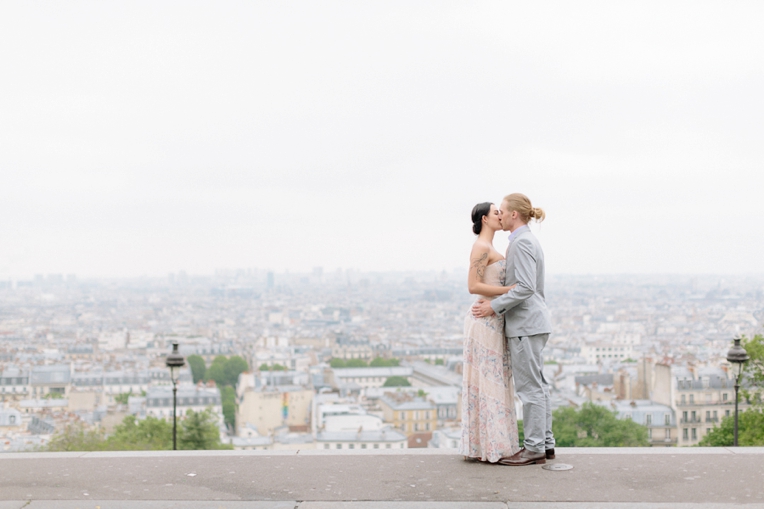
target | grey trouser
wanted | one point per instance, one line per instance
(533, 391)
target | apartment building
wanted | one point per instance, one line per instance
(409, 413)
(14, 384)
(158, 401)
(702, 398)
(659, 420)
(267, 408)
(352, 348)
(366, 377)
(379, 439)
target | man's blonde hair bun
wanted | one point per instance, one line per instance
(521, 203)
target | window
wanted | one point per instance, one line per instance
(326, 446)
(428, 415)
(708, 415)
(388, 446)
(12, 419)
(650, 433)
(667, 420)
(339, 446)
(648, 419)
(403, 416)
(684, 400)
(363, 446)
(724, 396)
(427, 426)
(401, 446)
(692, 399)
(668, 434)
(727, 413)
(351, 446)
(684, 416)
(684, 434)
(693, 415)
(716, 415)
(694, 433)
(376, 446)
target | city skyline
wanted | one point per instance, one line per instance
(144, 139)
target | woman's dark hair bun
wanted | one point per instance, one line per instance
(478, 212)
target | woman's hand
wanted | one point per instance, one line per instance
(508, 289)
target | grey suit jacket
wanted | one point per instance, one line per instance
(524, 307)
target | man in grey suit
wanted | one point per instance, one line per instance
(527, 326)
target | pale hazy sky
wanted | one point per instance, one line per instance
(141, 138)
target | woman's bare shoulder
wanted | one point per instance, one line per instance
(482, 245)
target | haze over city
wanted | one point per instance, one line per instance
(143, 138)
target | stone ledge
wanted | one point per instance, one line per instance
(294, 504)
(565, 451)
(403, 479)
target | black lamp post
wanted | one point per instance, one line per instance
(737, 357)
(174, 361)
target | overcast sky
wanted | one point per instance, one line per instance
(141, 138)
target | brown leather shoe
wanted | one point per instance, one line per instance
(550, 454)
(524, 457)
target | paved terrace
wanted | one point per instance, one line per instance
(408, 479)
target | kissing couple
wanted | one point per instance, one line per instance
(505, 334)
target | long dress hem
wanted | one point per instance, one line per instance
(489, 421)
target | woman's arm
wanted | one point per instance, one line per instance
(476, 278)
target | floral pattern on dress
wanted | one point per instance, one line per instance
(489, 422)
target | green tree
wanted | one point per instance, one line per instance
(438, 362)
(379, 362)
(337, 363)
(274, 367)
(396, 381)
(199, 430)
(216, 371)
(228, 399)
(147, 434)
(75, 437)
(123, 397)
(596, 426)
(356, 363)
(754, 368)
(226, 371)
(234, 367)
(198, 367)
(750, 430)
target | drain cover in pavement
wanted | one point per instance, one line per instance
(557, 466)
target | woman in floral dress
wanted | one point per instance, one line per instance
(489, 422)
